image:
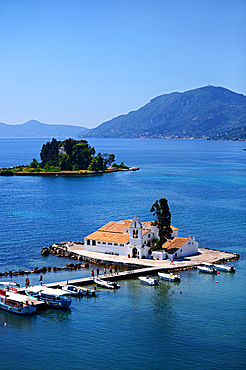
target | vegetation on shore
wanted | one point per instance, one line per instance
(236, 134)
(74, 156)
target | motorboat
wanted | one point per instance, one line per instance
(225, 268)
(169, 277)
(207, 269)
(9, 285)
(20, 304)
(106, 284)
(149, 281)
(78, 291)
(52, 297)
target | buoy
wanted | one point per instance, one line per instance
(5, 324)
(180, 292)
(216, 282)
(218, 272)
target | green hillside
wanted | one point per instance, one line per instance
(199, 113)
(238, 134)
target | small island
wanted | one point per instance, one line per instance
(68, 158)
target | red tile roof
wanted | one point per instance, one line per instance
(171, 246)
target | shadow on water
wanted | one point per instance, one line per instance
(27, 321)
(16, 321)
(55, 315)
(154, 298)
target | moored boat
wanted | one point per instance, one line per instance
(106, 284)
(149, 281)
(207, 269)
(52, 297)
(169, 277)
(17, 303)
(9, 285)
(225, 268)
(77, 291)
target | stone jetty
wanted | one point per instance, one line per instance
(75, 250)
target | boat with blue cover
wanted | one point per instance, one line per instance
(52, 297)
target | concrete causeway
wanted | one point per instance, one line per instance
(204, 255)
(141, 266)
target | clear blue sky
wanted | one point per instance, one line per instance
(83, 62)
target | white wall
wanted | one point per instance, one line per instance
(188, 249)
(154, 229)
(102, 248)
(159, 254)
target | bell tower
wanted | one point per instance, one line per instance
(136, 233)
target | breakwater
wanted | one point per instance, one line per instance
(64, 249)
(75, 250)
(43, 270)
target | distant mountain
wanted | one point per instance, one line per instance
(198, 113)
(35, 128)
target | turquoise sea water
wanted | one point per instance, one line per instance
(137, 327)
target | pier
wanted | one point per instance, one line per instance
(137, 267)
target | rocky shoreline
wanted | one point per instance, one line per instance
(62, 250)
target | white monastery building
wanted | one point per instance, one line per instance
(133, 238)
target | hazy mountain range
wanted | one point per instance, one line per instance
(203, 112)
(206, 112)
(35, 128)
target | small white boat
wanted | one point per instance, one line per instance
(106, 284)
(77, 291)
(207, 269)
(169, 277)
(225, 268)
(149, 281)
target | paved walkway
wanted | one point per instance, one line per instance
(146, 266)
(204, 256)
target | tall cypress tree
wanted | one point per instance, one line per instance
(162, 215)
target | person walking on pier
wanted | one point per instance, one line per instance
(41, 280)
(27, 284)
(110, 270)
(116, 269)
(92, 273)
(105, 271)
(97, 271)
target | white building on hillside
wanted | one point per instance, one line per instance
(125, 237)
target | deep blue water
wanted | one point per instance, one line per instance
(137, 327)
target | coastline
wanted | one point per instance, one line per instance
(65, 173)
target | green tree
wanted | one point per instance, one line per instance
(34, 163)
(93, 165)
(162, 215)
(49, 153)
(65, 164)
(111, 159)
